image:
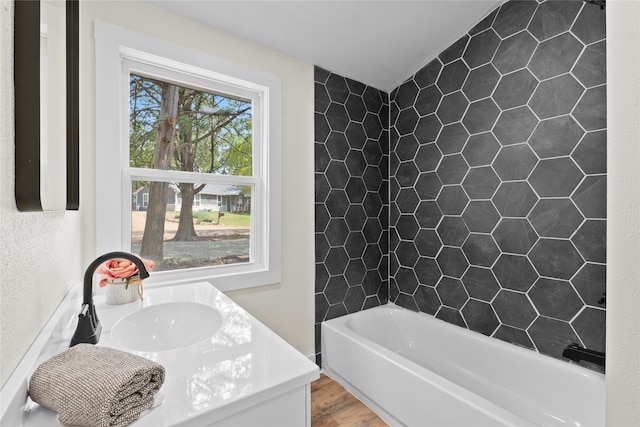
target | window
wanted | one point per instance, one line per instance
(193, 132)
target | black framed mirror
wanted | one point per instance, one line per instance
(46, 65)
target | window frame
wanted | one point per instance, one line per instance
(120, 51)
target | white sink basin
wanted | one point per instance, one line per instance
(167, 326)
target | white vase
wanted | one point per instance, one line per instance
(119, 292)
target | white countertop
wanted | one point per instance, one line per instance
(243, 364)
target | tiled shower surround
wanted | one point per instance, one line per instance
(497, 214)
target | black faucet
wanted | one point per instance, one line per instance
(89, 328)
(576, 353)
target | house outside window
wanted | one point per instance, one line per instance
(194, 131)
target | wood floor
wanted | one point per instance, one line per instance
(333, 406)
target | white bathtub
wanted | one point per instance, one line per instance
(415, 370)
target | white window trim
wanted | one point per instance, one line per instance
(115, 44)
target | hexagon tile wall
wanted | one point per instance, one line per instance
(352, 197)
(498, 179)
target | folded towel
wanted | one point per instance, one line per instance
(96, 386)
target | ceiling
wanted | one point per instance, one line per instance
(379, 43)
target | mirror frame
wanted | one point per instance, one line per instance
(27, 105)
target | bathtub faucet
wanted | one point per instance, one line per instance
(576, 353)
(89, 328)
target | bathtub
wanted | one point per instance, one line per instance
(415, 370)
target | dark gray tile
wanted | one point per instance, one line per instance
(481, 183)
(407, 200)
(336, 261)
(407, 227)
(551, 336)
(481, 250)
(428, 186)
(481, 149)
(355, 243)
(514, 272)
(555, 177)
(452, 293)
(322, 187)
(321, 249)
(452, 107)
(452, 169)
(321, 97)
(591, 68)
(515, 162)
(555, 298)
(372, 152)
(553, 18)
(590, 282)
(337, 145)
(428, 100)
(406, 94)
(481, 82)
(322, 157)
(454, 51)
(555, 56)
(556, 258)
(428, 128)
(337, 232)
(452, 261)
(514, 199)
(407, 121)
(355, 217)
(427, 299)
(451, 315)
(428, 271)
(407, 147)
(337, 88)
(514, 52)
(485, 23)
(406, 301)
(337, 174)
(406, 280)
(481, 116)
(355, 135)
(514, 336)
(322, 128)
(427, 242)
(452, 76)
(515, 89)
(556, 137)
(480, 283)
(407, 174)
(452, 138)
(427, 157)
(428, 214)
(356, 87)
(481, 48)
(591, 196)
(480, 317)
(591, 240)
(590, 327)
(515, 236)
(591, 25)
(555, 218)
(514, 309)
(556, 96)
(428, 74)
(354, 299)
(372, 125)
(452, 231)
(356, 163)
(452, 200)
(514, 16)
(515, 126)
(320, 75)
(337, 117)
(481, 216)
(591, 111)
(355, 108)
(591, 152)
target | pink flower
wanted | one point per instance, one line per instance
(119, 268)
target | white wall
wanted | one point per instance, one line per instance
(287, 307)
(40, 253)
(623, 212)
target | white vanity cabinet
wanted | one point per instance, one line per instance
(242, 375)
